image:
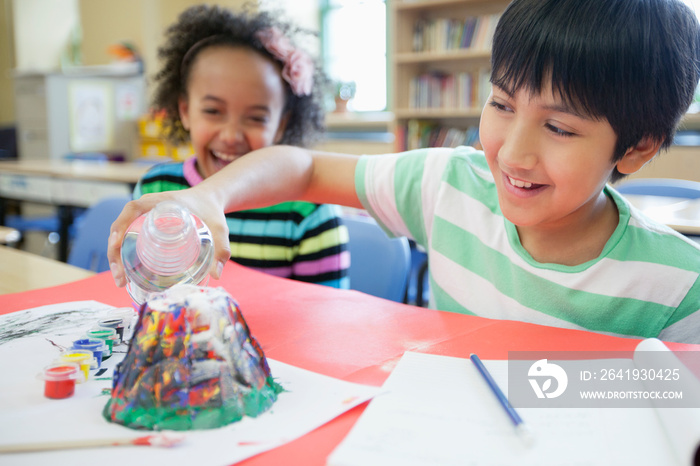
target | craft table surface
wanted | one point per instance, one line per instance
(344, 334)
(22, 271)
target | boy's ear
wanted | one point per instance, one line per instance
(183, 108)
(637, 156)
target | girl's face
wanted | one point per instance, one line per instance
(549, 162)
(234, 104)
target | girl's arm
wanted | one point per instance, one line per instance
(260, 178)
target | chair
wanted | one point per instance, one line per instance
(418, 292)
(23, 224)
(48, 225)
(89, 247)
(51, 224)
(9, 236)
(670, 187)
(379, 265)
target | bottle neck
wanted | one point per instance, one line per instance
(168, 243)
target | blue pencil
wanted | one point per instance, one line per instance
(520, 427)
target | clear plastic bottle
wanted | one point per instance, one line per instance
(165, 247)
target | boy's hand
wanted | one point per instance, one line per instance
(204, 208)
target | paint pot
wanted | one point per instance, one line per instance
(96, 345)
(128, 316)
(59, 380)
(81, 357)
(117, 323)
(108, 335)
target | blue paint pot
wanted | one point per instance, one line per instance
(97, 346)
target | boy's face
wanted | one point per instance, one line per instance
(550, 164)
(234, 104)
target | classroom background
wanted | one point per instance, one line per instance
(416, 76)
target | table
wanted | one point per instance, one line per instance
(66, 185)
(679, 213)
(345, 334)
(22, 271)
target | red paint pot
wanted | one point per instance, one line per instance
(59, 380)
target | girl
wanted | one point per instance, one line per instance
(231, 84)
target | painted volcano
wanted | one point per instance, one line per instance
(192, 364)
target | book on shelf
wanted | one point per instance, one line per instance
(416, 134)
(442, 34)
(436, 89)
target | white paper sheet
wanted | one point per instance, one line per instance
(309, 401)
(439, 410)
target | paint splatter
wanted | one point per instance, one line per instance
(34, 322)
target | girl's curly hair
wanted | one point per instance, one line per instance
(213, 25)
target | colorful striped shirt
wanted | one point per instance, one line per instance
(298, 240)
(643, 284)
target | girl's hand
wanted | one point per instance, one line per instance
(201, 205)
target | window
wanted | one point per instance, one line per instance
(694, 4)
(354, 49)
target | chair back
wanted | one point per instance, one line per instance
(379, 265)
(89, 247)
(418, 292)
(670, 187)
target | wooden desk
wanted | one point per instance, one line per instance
(344, 334)
(66, 185)
(681, 214)
(22, 271)
(77, 183)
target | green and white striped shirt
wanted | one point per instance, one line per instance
(644, 283)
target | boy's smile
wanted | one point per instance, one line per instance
(550, 164)
(521, 188)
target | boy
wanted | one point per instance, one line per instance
(584, 92)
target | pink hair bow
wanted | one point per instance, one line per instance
(298, 68)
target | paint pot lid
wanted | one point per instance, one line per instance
(93, 344)
(76, 355)
(112, 322)
(60, 371)
(101, 332)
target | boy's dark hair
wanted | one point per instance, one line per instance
(203, 26)
(634, 63)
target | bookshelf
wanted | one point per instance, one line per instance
(439, 68)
